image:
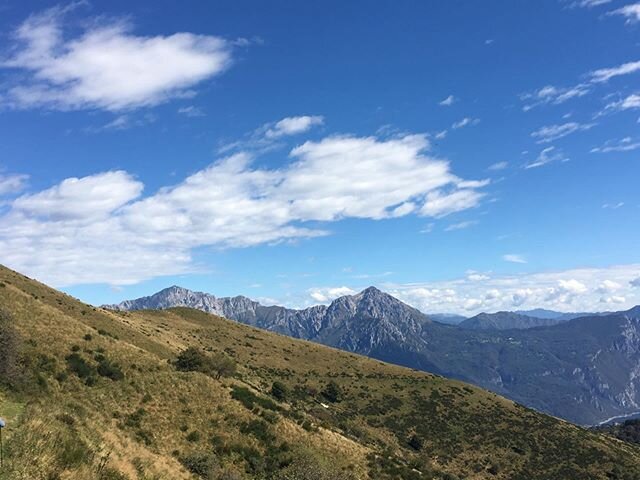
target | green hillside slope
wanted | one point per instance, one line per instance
(97, 395)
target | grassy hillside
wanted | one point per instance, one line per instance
(98, 395)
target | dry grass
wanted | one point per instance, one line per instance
(141, 426)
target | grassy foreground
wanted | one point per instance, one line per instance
(99, 397)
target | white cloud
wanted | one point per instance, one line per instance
(293, 125)
(498, 166)
(613, 206)
(627, 144)
(568, 291)
(12, 183)
(460, 225)
(96, 229)
(608, 286)
(267, 136)
(631, 12)
(191, 111)
(628, 103)
(553, 95)
(551, 133)
(548, 155)
(558, 95)
(81, 198)
(605, 74)
(447, 102)
(324, 295)
(589, 3)
(514, 258)
(466, 121)
(107, 66)
(440, 135)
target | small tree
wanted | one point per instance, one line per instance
(222, 365)
(279, 390)
(332, 392)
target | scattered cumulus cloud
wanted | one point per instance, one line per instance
(293, 126)
(324, 295)
(107, 66)
(101, 229)
(581, 289)
(514, 258)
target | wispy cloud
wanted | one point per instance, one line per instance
(606, 74)
(12, 183)
(546, 156)
(514, 258)
(627, 144)
(461, 225)
(589, 3)
(466, 121)
(613, 206)
(551, 133)
(107, 66)
(498, 166)
(191, 111)
(631, 12)
(447, 102)
(628, 103)
(558, 95)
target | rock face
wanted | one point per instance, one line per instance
(585, 370)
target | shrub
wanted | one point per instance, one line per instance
(76, 364)
(110, 370)
(194, 436)
(280, 391)
(332, 392)
(194, 360)
(203, 465)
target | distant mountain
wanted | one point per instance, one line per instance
(585, 370)
(135, 395)
(506, 321)
(448, 318)
(560, 316)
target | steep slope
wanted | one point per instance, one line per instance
(335, 414)
(506, 321)
(574, 370)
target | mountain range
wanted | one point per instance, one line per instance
(177, 393)
(585, 369)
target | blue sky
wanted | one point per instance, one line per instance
(464, 156)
